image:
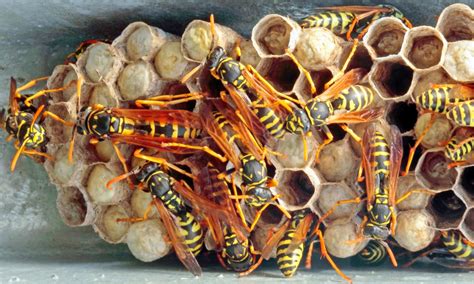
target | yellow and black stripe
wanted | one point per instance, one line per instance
(436, 99)
(174, 130)
(34, 136)
(191, 231)
(337, 22)
(230, 135)
(456, 245)
(462, 113)
(374, 253)
(288, 261)
(272, 122)
(230, 72)
(381, 158)
(457, 150)
(160, 185)
(353, 98)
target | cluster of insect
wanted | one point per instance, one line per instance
(242, 114)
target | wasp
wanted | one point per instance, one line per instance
(185, 231)
(352, 19)
(175, 131)
(452, 100)
(74, 56)
(23, 121)
(344, 102)
(451, 250)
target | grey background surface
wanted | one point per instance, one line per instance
(34, 37)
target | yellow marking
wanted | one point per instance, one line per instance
(335, 21)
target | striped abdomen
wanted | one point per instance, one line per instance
(374, 253)
(381, 158)
(288, 262)
(173, 130)
(235, 253)
(337, 22)
(191, 231)
(456, 245)
(230, 135)
(457, 150)
(436, 99)
(462, 113)
(353, 98)
(273, 124)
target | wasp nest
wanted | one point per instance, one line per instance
(145, 61)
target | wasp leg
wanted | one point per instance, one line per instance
(421, 255)
(262, 209)
(44, 92)
(163, 162)
(123, 161)
(138, 219)
(252, 268)
(31, 84)
(190, 74)
(303, 70)
(202, 148)
(457, 164)
(344, 67)
(417, 143)
(37, 153)
(309, 256)
(329, 138)
(360, 236)
(237, 204)
(57, 118)
(334, 207)
(325, 254)
(406, 195)
(166, 100)
(360, 172)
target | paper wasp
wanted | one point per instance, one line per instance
(374, 253)
(456, 101)
(230, 133)
(381, 163)
(74, 56)
(23, 121)
(169, 195)
(351, 20)
(291, 239)
(451, 250)
(343, 102)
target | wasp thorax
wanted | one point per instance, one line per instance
(298, 122)
(376, 232)
(146, 170)
(215, 57)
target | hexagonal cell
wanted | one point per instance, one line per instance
(467, 227)
(423, 48)
(197, 40)
(107, 226)
(74, 208)
(466, 183)
(338, 161)
(415, 230)
(416, 200)
(104, 94)
(385, 37)
(318, 48)
(100, 63)
(280, 72)
(360, 59)
(65, 76)
(138, 80)
(296, 188)
(403, 115)
(425, 81)
(329, 194)
(57, 132)
(439, 132)
(391, 78)
(271, 217)
(337, 236)
(456, 22)
(273, 34)
(169, 62)
(447, 209)
(458, 62)
(291, 146)
(320, 78)
(432, 170)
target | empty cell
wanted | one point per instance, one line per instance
(281, 73)
(432, 171)
(72, 206)
(361, 58)
(391, 79)
(271, 216)
(447, 209)
(467, 181)
(468, 225)
(320, 78)
(295, 188)
(403, 115)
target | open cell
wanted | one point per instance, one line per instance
(447, 209)
(467, 182)
(385, 37)
(72, 206)
(282, 73)
(432, 171)
(424, 47)
(392, 79)
(295, 187)
(273, 34)
(403, 115)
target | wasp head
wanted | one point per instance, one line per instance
(146, 170)
(215, 56)
(298, 122)
(376, 232)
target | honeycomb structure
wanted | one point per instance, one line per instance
(145, 61)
